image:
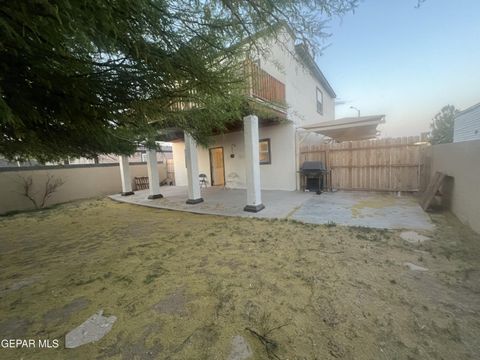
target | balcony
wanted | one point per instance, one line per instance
(262, 88)
(265, 87)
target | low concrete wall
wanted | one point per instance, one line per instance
(462, 162)
(81, 182)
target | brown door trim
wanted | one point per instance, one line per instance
(211, 164)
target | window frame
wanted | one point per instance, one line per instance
(269, 161)
(318, 90)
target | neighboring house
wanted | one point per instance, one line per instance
(164, 153)
(467, 124)
(288, 81)
(7, 163)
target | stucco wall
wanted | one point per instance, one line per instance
(462, 162)
(80, 182)
(281, 62)
(300, 84)
(279, 175)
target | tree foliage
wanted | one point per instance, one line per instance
(82, 78)
(442, 125)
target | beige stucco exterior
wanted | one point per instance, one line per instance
(279, 175)
(281, 61)
(461, 161)
(81, 182)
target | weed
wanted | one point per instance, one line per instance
(265, 328)
(85, 282)
(150, 278)
(361, 237)
(362, 229)
(125, 279)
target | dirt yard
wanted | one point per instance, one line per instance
(182, 286)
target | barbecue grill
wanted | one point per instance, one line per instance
(313, 173)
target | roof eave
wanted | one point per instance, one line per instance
(349, 122)
(467, 110)
(304, 54)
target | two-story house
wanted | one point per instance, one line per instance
(286, 79)
(288, 94)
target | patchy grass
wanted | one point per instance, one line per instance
(182, 285)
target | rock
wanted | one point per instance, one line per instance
(93, 329)
(414, 267)
(240, 349)
(413, 237)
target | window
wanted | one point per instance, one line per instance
(264, 149)
(319, 101)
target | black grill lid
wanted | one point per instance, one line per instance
(312, 166)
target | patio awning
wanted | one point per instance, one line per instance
(349, 129)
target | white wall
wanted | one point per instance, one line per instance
(281, 62)
(279, 175)
(467, 125)
(179, 166)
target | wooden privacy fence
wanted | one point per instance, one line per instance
(374, 165)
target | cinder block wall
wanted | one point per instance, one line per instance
(81, 182)
(461, 161)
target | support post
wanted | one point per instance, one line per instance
(252, 164)
(125, 175)
(191, 159)
(153, 178)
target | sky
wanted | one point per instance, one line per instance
(392, 58)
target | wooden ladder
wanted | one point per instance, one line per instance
(433, 189)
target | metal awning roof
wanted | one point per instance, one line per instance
(349, 129)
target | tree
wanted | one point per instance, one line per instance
(82, 78)
(442, 125)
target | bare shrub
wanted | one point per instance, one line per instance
(39, 198)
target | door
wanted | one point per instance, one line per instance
(217, 166)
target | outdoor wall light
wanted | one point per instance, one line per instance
(232, 151)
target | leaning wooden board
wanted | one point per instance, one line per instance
(432, 188)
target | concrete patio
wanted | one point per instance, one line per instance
(369, 209)
(220, 201)
(376, 210)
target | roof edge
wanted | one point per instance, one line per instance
(348, 121)
(470, 108)
(310, 61)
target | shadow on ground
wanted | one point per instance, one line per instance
(184, 286)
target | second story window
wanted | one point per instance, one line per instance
(319, 101)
